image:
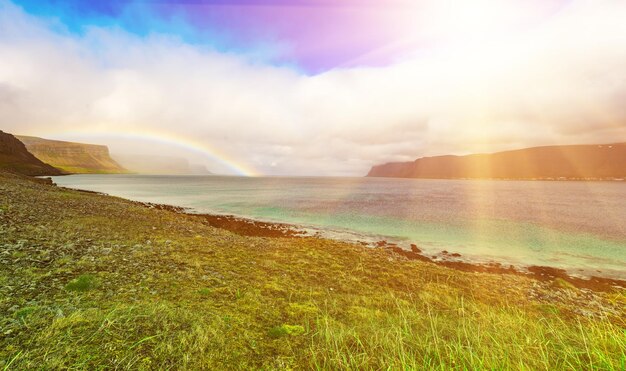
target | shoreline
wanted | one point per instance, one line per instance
(256, 228)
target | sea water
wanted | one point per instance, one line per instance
(578, 226)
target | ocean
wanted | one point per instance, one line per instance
(578, 226)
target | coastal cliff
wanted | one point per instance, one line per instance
(14, 157)
(78, 158)
(607, 161)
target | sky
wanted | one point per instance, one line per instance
(313, 87)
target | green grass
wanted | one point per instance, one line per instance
(417, 335)
(204, 291)
(83, 282)
(91, 282)
(286, 330)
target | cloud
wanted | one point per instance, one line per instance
(561, 81)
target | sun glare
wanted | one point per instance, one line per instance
(475, 20)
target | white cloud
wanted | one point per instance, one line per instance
(562, 81)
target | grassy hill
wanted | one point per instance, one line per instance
(77, 158)
(90, 282)
(15, 157)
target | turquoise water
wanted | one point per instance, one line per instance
(579, 226)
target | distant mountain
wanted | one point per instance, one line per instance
(607, 161)
(14, 157)
(77, 158)
(162, 165)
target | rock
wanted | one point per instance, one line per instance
(14, 157)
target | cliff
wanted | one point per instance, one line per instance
(551, 162)
(72, 157)
(14, 157)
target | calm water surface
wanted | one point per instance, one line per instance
(580, 226)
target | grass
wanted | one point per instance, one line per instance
(91, 282)
(83, 282)
(417, 335)
(286, 330)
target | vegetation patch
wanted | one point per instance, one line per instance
(286, 330)
(205, 291)
(302, 309)
(562, 284)
(83, 282)
(24, 312)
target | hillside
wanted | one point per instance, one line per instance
(14, 157)
(73, 157)
(551, 162)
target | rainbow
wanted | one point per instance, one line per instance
(236, 166)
